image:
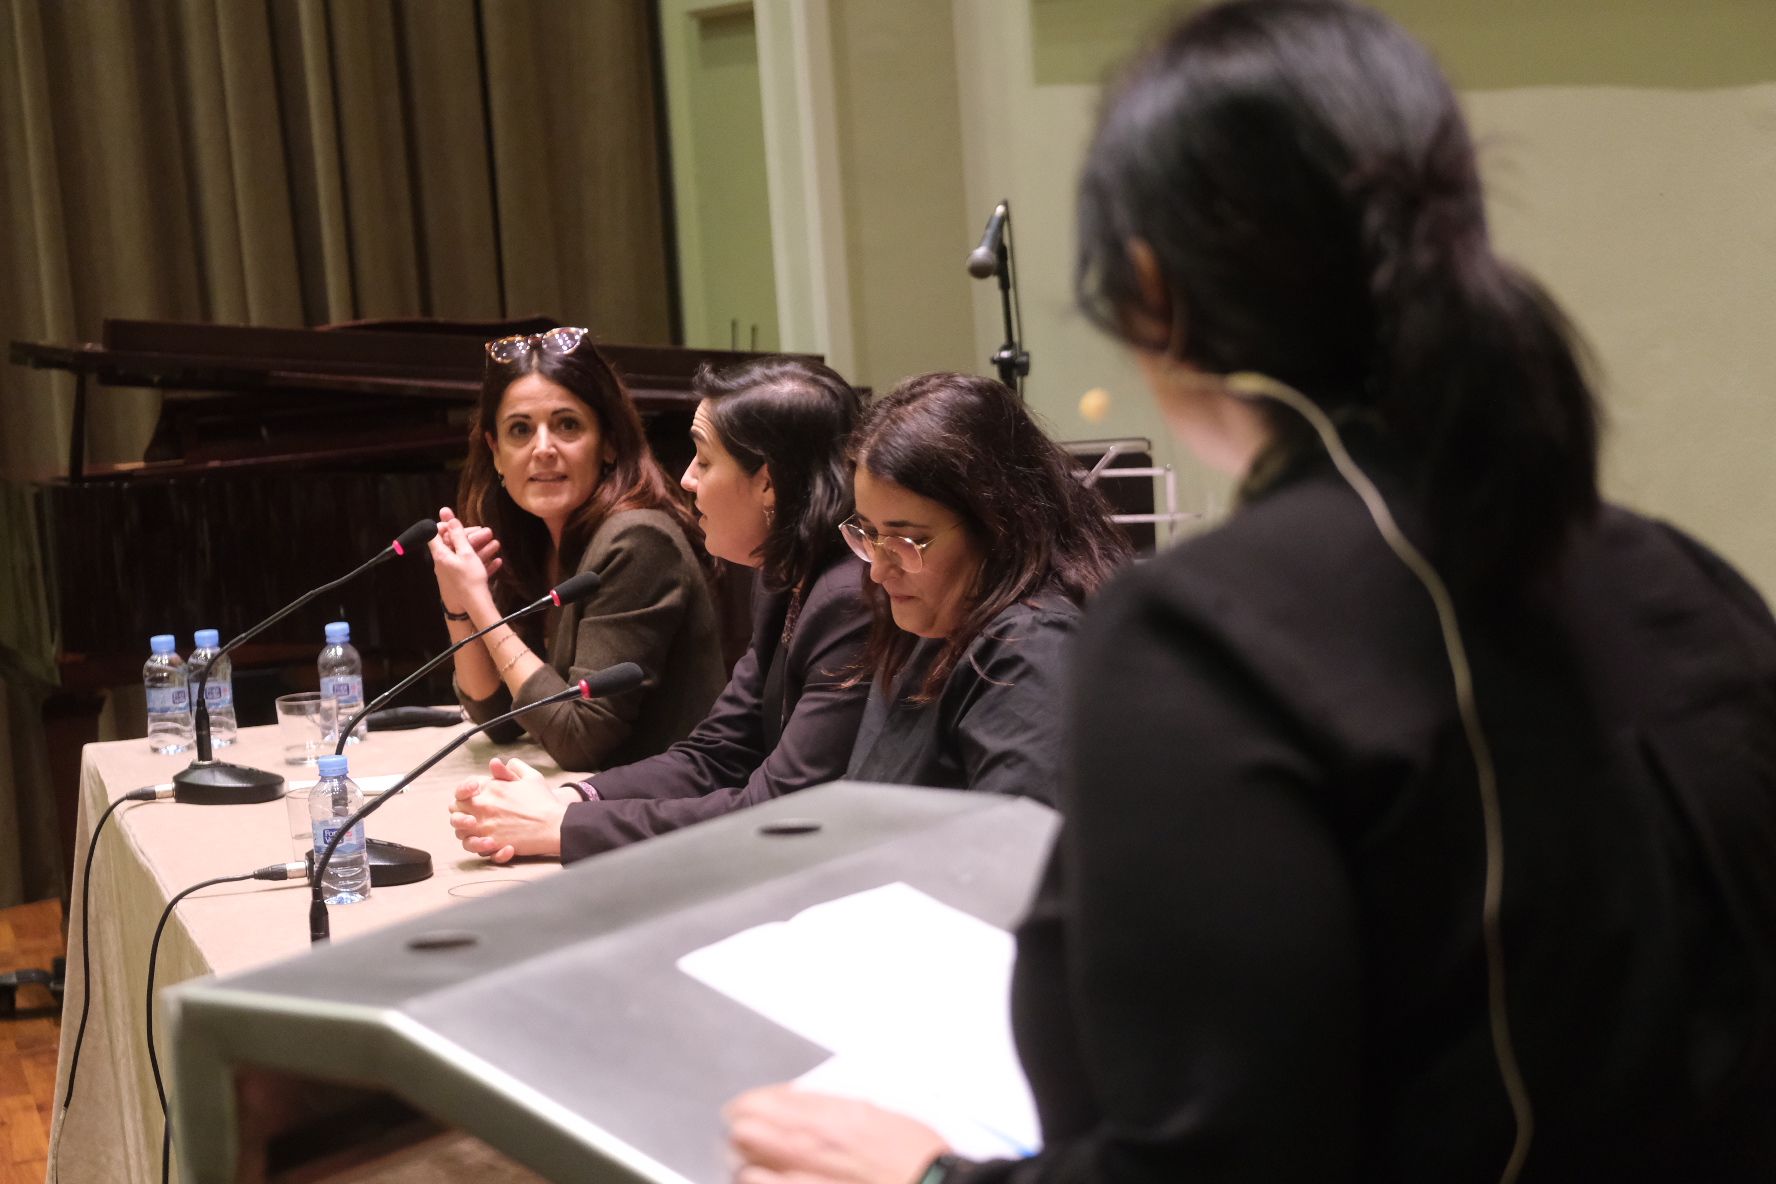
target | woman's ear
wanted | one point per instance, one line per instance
(1154, 322)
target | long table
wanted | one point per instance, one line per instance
(152, 850)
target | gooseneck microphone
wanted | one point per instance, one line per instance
(210, 782)
(569, 591)
(624, 676)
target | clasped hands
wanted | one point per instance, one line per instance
(464, 559)
(512, 812)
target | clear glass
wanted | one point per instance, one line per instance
(308, 724)
(296, 812)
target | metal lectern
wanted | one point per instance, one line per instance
(551, 1021)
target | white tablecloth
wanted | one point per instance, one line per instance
(152, 850)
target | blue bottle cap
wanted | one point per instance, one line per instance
(331, 766)
(161, 643)
(338, 633)
(206, 638)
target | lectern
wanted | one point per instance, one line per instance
(551, 1022)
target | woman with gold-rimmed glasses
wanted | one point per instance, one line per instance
(560, 480)
(982, 544)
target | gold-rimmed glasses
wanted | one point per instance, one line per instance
(906, 554)
(556, 341)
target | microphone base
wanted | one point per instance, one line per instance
(218, 783)
(392, 864)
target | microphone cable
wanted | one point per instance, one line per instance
(148, 793)
(276, 871)
(1251, 386)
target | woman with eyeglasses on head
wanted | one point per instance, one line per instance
(560, 480)
(772, 484)
(1420, 821)
(982, 543)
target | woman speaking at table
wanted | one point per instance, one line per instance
(1419, 821)
(560, 480)
(981, 544)
(771, 484)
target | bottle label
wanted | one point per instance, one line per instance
(168, 700)
(218, 695)
(348, 689)
(351, 844)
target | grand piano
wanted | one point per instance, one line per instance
(281, 457)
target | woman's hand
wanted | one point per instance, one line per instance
(513, 812)
(464, 558)
(783, 1135)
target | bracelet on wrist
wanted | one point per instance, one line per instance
(510, 662)
(450, 616)
(585, 789)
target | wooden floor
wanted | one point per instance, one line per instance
(30, 937)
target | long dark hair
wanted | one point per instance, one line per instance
(1307, 185)
(633, 480)
(792, 416)
(969, 444)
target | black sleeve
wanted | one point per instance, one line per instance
(1208, 934)
(720, 767)
(722, 750)
(1008, 722)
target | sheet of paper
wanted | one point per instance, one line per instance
(910, 994)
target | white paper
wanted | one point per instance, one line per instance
(910, 994)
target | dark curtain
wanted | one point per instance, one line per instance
(302, 162)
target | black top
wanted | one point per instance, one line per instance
(996, 723)
(785, 721)
(1257, 953)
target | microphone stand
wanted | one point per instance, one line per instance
(1011, 359)
(573, 588)
(620, 677)
(210, 782)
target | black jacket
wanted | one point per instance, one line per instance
(1257, 953)
(785, 721)
(995, 725)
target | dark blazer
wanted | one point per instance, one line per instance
(995, 726)
(1257, 953)
(652, 608)
(785, 722)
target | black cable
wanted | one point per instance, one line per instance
(275, 871)
(146, 794)
(622, 676)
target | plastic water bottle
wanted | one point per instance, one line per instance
(218, 687)
(335, 798)
(169, 701)
(342, 676)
